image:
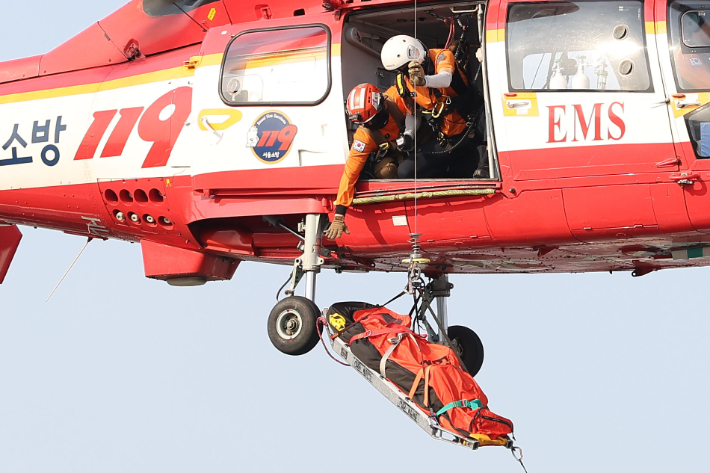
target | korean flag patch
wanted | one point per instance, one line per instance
(359, 146)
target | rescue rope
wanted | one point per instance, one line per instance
(393, 299)
(89, 240)
(518, 458)
(319, 324)
(421, 195)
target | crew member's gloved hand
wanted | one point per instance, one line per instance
(416, 74)
(337, 228)
(405, 143)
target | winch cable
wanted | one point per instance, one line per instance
(415, 236)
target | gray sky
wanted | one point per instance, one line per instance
(118, 373)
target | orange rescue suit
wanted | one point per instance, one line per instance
(363, 145)
(452, 124)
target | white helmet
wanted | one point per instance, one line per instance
(400, 50)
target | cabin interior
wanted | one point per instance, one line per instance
(365, 33)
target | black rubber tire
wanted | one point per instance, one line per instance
(470, 348)
(301, 338)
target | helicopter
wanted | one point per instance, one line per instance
(212, 132)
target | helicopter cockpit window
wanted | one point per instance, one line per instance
(282, 66)
(689, 38)
(577, 46)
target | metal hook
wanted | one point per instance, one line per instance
(518, 458)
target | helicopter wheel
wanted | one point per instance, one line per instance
(292, 325)
(468, 347)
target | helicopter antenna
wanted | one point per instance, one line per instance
(204, 30)
(70, 267)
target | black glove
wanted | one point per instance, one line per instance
(405, 143)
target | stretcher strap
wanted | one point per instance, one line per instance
(385, 331)
(475, 404)
(416, 383)
(426, 385)
(423, 373)
(383, 362)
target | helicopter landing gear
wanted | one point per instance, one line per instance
(464, 341)
(468, 347)
(292, 325)
(292, 322)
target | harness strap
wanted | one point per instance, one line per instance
(395, 113)
(474, 404)
(376, 135)
(383, 362)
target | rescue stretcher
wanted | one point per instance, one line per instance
(425, 422)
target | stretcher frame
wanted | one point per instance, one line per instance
(426, 422)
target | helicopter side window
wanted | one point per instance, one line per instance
(577, 46)
(689, 39)
(277, 66)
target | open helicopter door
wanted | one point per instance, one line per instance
(683, 35)
(270, 121)
(577, 98)
(455, 191)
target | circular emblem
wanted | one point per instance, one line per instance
(271, 137)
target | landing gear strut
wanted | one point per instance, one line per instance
(292, 322)
(464, 341)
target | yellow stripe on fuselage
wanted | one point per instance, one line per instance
(495, 36)
(141, 79)
(149, 78)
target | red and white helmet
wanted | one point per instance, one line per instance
(364, 102)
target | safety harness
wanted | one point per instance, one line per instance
(465, 101)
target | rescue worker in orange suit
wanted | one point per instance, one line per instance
(382, 119)
(694, 66)
(433, 77)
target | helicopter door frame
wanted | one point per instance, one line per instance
(683, 102)
(357, 49)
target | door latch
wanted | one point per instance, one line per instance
(685, 179)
